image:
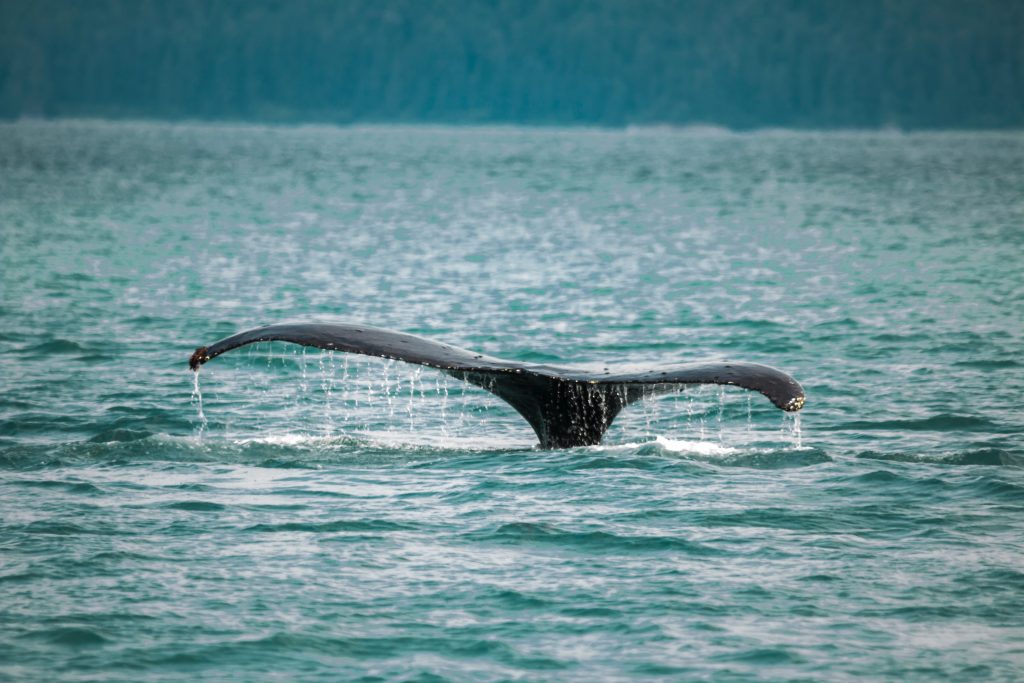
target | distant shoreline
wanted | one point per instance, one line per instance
(682, 129)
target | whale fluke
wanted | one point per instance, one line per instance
(565, 407)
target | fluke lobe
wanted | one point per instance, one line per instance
(565, 407)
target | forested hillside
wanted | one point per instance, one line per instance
(738, 63)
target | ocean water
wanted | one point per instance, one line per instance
(301, 515)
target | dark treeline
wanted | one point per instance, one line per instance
(739, 63)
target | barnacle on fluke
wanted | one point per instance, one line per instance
(565, 407)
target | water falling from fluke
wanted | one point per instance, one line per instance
(197, 400)
(791, 424)
(565, 407)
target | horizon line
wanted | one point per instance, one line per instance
(699, 129)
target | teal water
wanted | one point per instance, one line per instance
(322, 517)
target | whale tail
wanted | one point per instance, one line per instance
(563, 413)
(565, 407)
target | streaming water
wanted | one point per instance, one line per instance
(197, 401)
(319, 516)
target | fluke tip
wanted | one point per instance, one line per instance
(198, 358)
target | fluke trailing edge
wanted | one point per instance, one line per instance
(565, 407)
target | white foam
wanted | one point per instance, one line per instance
(695, 447)
(390, 439)
(287, 440)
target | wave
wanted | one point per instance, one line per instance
(55, 346)
(982, 456)
(68, 636)
(587, 540)
(129, 424)
(120, 435)
(78, 487)
(943, 422)
(351, 525)
(728, 456)
(705, 448)
(267, 652)
(195, 506)
(123, 445)
(279, 451)
(994, 364)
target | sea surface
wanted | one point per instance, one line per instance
(301, 515)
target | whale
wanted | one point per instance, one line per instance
(565, 407)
